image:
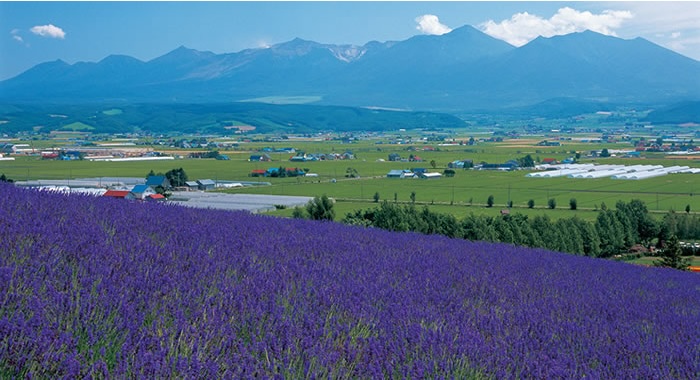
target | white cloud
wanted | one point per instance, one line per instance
(430, 24)
(49, 30)
(521, 28)
(16, 36)
(672, 24)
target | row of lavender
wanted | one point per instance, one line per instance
(96, 287)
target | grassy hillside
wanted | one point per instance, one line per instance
(213, 118)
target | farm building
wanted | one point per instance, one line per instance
(431, 175)
(6, 148)
(460, 164)
(400, 174)
(260, 158)
(302, 158)
(206, 184)
(192, 185)
(116, 193)
(155, 198)
(140, 192)
(633, 172)
(158, 180)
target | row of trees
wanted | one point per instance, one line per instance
(613, 232)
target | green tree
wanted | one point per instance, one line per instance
(351, 173)
(572, 203)
(376, 197)
(644, 227)
(3, 178)
(489, 201)
(687, 209)
(320, 208)
(589, 236)
(671, 255)
(552, 203)
(531, 203)
(433, 164)
(176, 177)
(298, 213)
(413, 197)
(526, 162)
(611, 233)
(604, 153)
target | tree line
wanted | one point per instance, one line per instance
(615, 231)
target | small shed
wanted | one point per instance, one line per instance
(206, 184)
(192, 185)
(395, 174)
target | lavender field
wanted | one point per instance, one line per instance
(93, 287)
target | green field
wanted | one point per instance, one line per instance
(649, 260)
(77, 126)
(466, 192)
(113, 112)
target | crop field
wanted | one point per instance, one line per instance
(467, 192)
(91, 287)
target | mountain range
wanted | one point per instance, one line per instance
(461, 71)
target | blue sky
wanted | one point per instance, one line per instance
(36, 32)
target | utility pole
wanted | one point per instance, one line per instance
(509, 195)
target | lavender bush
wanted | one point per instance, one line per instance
(93, 287)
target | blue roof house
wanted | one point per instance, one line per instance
(140, 192)
(158, 180)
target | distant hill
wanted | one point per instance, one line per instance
(214, 118)
(679, 113)
(460, 71)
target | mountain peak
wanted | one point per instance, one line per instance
(296, 44)
(183, 54)
(119, 59)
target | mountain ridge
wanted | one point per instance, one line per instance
(454, 72)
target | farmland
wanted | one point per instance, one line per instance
(466, 192)
(92, 288)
